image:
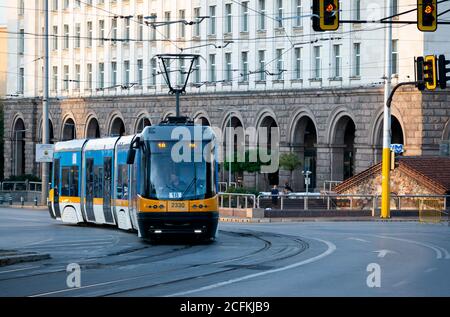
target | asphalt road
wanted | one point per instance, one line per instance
(276, 259)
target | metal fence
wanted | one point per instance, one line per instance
(235, 200)
(21, 186)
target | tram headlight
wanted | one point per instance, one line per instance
(162, 145)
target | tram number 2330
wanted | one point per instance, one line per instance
(176, 205)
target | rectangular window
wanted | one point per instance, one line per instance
(182, 68)
(66, 36)
(55, 78)
(337, 61)
(113, 73)
(394, 7)
(357, 9)
(89, 34)
(262, 15)
(212, 67)
(77, 3)
(153, 71)
(298, 63)
(298, 12)
(356, 59)
(317, 63)
(228, 67)
(69, 181)
(77, 76)
(244, 13)
(167, 28)
(114, 30)
(140, 71)
(262, 65)
(197, 26)
(126, 72)
(66, 4)
(101, 31)
(228, 18)
(21, 7)
(279, 69)
(244, 62)
(140, 33)
(55, 37)
(152, 30)
(101, 75)
(21, 41)
(55, 5)
(77, 35)
(21, 80)
(126, 31)
(66, 77)
(89, 76)
(182, 26)
(197, 72)
(394, 57)
(279, 17)
(212, 20)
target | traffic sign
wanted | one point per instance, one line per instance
(44, 153)
(397, 148)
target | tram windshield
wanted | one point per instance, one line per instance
(172, 178)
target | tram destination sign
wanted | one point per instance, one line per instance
(44, 153)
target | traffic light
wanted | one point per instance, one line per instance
(443, 70)
(430, 72)
(419, 73)
(427, 15)
(325, 15)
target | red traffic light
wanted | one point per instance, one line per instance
(329, 8)
(428, 9)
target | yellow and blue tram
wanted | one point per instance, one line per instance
(160, 182)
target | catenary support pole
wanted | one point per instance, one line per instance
(45, 125)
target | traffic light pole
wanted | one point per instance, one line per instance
(386, 157)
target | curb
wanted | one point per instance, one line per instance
(278, 220)
(24, 207)
(20, 258)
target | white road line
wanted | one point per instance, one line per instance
(37, 242)
(22, 269)
(331, 248)
(358, 239)
(426, 245)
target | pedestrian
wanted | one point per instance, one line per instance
(274, 192)
(287, 188)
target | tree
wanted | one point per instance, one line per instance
(290, 162)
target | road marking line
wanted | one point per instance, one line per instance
(331, 248)
(22, 269)
(430, 246)
(358, 239)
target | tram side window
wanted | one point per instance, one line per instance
(122, 182)
(69, 181)
(98, 182)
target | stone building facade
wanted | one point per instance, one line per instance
(336, 132)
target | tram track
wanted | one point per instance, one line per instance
(255, 265)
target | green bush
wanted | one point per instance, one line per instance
(22, 178)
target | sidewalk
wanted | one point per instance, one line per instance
(16, 206)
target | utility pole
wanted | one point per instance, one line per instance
(385, 176)
(45, 126)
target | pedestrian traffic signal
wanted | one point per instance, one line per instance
(430, 72)
(427, 15)
(325, 15)
(443, 71)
